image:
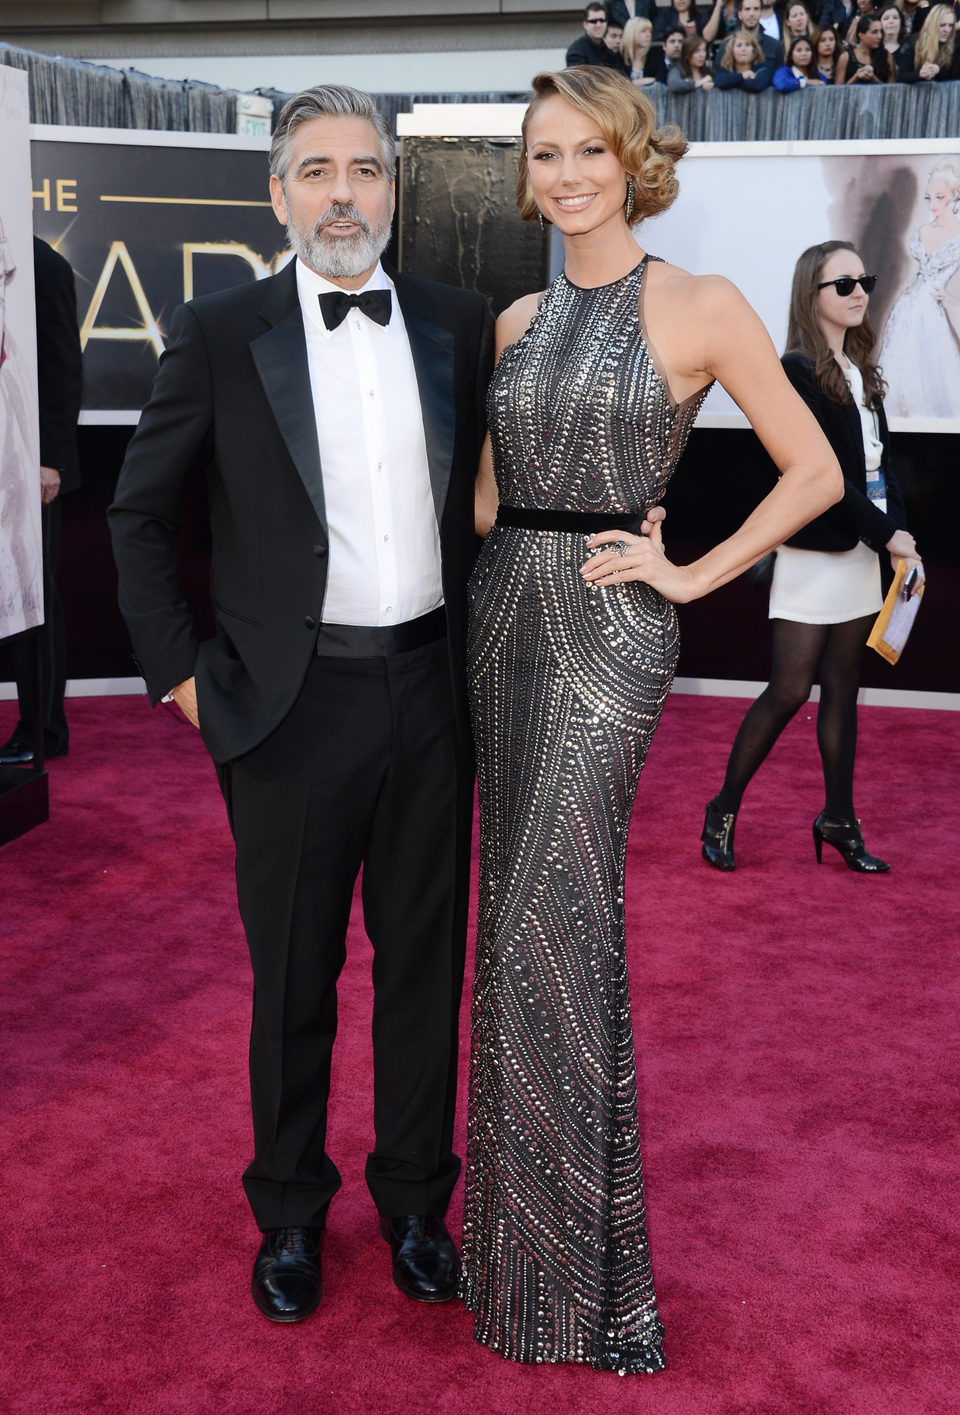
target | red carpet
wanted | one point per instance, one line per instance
(798, 1041)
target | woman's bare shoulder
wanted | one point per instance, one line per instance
(516, 318)
(702, 294)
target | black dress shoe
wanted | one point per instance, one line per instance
(15, 753)
(286, 1274)
(425, 1262)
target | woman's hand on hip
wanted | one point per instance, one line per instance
(652, 525)
(621, 557)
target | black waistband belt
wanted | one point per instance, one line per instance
(575, 522)
(381, 641)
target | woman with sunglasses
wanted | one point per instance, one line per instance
(825, 592)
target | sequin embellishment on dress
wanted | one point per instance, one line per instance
(567, 684)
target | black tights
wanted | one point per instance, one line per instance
(802, 655)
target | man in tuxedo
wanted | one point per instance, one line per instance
(59, 394)
(336, 413)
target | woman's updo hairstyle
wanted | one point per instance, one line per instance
(949, 171)
(628, 122)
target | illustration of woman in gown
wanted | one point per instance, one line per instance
(920, 352)
(21, 585)
(571, 652)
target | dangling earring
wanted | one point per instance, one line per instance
(540, 219)
(628, 204)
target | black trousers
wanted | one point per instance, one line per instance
(363, 773)
(52, 639)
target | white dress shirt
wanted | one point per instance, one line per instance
(384, 565)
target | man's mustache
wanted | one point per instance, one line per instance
(345, 212)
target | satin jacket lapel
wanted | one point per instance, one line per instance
(280, 356)
(432, 346)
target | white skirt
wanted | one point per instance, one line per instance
(825, 586)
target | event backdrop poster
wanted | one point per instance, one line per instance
(148, 220)
(748, 214)
(21, 555)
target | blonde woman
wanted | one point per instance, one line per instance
(743, 65)
(572, 647)
(636, 52)
(935, 53)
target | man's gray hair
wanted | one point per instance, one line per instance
(329, 101)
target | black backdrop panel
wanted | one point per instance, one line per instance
(458, 218)
(146, 226)
(722, 475)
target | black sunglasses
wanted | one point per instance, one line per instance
(846, 284)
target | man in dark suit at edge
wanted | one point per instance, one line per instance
(59, 395)
(336, 412)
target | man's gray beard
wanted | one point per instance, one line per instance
(340, 257)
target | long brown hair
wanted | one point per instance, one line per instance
(809, 70)
(804, 335)
(815, 41)
(691, 43)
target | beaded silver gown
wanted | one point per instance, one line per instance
(567, 683)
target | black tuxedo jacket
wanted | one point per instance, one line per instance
(232, 402)
(59, 363)
(855, 517)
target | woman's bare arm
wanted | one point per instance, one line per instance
(710, 331)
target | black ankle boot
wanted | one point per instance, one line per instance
(717, 837)
(846, 837)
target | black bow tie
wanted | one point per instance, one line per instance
(335, 305)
